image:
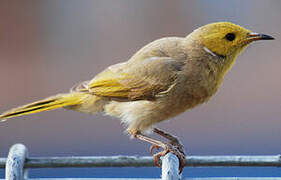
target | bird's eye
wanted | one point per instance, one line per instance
(230, 36)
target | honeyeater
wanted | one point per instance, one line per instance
(163, 79)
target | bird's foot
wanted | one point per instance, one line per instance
(176, 149)
(174, 146)
(175, 142)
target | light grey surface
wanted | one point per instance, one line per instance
(15, 162)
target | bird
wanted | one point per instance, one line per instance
(163, 79)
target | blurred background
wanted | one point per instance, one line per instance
(46, 47)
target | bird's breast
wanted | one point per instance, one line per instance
(197, 86)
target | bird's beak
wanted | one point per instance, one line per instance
(258, 36)
(255, 37)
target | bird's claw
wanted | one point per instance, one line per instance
(156, 157)
(152, 148)
(176, 149)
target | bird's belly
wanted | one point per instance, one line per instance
(141, 115)
(137, 115)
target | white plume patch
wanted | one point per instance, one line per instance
(209, 51)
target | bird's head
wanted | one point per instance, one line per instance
(226, 39)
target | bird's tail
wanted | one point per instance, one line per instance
(53, 102)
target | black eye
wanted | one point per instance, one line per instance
(230, 36)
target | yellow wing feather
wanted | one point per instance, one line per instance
(135, 84)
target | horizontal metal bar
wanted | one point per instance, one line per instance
(146, 161)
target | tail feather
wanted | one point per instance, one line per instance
(53, 102)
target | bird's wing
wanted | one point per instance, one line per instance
(145, 79)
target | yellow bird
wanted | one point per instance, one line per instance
(163, 79)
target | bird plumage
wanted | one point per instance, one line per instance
(164, 78)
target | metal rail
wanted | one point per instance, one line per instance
(18, 161)
(146, 161)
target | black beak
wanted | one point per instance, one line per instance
(266, 37)
(259, 36)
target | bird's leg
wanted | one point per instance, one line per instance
(166, 135)
(150, 140)
(173, 142)
(173, 139)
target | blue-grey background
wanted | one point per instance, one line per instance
(48, 46)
